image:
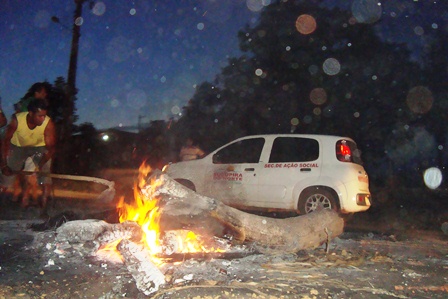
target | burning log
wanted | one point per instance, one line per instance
(147, 276)
(185, 207)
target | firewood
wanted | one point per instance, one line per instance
(137, 258)
(186, 208)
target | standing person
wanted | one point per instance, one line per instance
(27, 183)
(38, 90)
(29, 135)
(190, 152)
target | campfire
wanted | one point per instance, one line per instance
(144, 211)
(167, 224)
(141, 243)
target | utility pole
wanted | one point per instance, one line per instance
(66, 129)
(71, 76)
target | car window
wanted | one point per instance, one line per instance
(291, 149)
(244, 151)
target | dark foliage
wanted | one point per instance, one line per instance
(270, 90)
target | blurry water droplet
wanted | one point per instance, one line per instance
(294, 121)
(114, 103)
(313, 69)
(419, 99)
(133, 11)
(79, 21)
(118, 49)
(307, 119)
(432, 177)
(366, 11)
(175, 109)
(331, 66)
(136, 98)
(418, 30)
(258, 72)
(255, 5)
(93, 64)
(99, 8)
(306, 24)
(200, 26)
(318, 96)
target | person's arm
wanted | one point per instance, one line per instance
(3, 120)
(50, 143)
(10, 129)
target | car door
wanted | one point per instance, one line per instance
(292, 161)
(233, 174)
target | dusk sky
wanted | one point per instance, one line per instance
(144, 58)
(135, 57)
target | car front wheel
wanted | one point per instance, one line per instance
(316, 199)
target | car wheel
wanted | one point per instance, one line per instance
(317, 199)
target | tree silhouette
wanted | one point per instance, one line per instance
(339, 79)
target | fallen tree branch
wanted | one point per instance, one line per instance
(186, 207)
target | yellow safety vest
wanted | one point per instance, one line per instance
(24, 136)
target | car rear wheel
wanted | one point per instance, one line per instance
(317, 199)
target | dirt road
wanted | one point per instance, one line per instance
(358, 265)
(378, 256)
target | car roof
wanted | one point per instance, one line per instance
(315, 136)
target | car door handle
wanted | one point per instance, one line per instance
(249, 169)
(305, 169)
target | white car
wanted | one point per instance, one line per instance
(289, 172)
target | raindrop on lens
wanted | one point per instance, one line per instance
(200, 26)
(313, 69)
(114, 103)
(432, 177)
(79, 21)
(418, 30)
(294, 121)
(419, 99)
(136, 98)
(318, 96)
(366, 11)
(99, 8)
(306, 24)
(331, 66)
(175, 109)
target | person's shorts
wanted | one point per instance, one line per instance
(26, 158)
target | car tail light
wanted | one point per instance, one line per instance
(343, 151)
(363, 199)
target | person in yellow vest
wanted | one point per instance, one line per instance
(29, 134)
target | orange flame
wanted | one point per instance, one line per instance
(144, 210)
(109, 252)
